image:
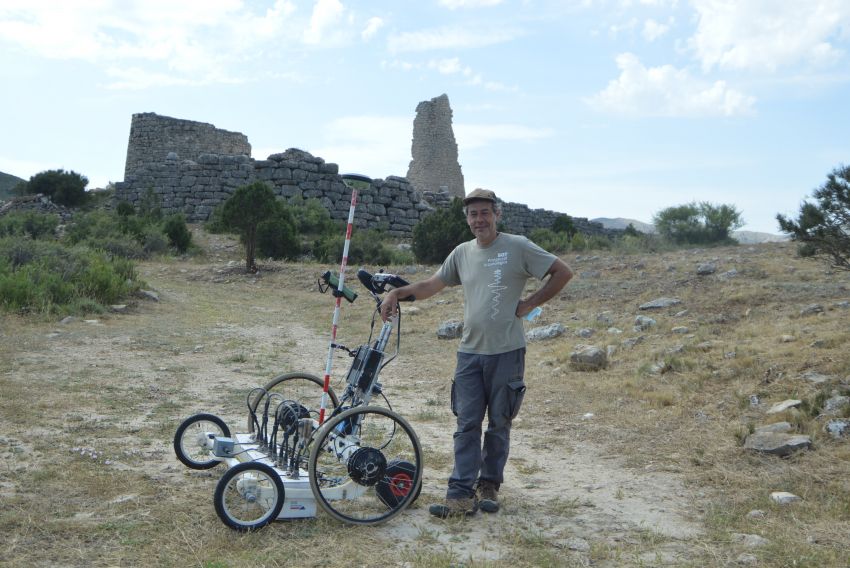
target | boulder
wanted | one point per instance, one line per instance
(660, 303)
(643, 323)
(783, 498)
(706, 268)
(451, 329)
(778, 427)
(546, 332)
(812, 310)
(588, 358)
(838, 428)
(776, 443)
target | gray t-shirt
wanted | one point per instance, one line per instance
(493, 279)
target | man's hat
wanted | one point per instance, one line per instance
(479, 194)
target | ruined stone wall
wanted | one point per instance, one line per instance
(435, 167)
(153, 137)
(195, 187)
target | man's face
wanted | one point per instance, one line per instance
(482, 220)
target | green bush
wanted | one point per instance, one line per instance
(698, 223)
(547, 239)
(178, 233)
(367, 247)
(48, 277)
(564, 224)
(63, 188)
(311, 217)
(28, 223)
(277, 237)
(125, 209)
(435, 236)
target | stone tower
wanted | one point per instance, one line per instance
(434, 166)
(153, 137)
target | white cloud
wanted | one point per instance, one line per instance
(326, 14)
(372, 27)
(768, 34)
(449, 38)
(653, 30)
(455, 4)
(448, 66)
(615, 29)
(667, 91)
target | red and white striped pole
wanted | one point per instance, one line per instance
(352, 181)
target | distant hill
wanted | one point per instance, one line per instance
(743, 237)
(621, 223)
(7, 182)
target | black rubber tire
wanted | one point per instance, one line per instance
(373, 509)
(179, 440)
(397, 483)
(311, 405)
(270, 514)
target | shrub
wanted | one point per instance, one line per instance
(547, 239)
(701, 223)
(63, 188)
(28, 223)
(277, 237)
(125, 209)
(367, 247)
(435, 236)
(178, 233)
(48, 277)
(311, 217)
(564, 224)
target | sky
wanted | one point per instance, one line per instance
(594, 108)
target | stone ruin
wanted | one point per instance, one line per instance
(434, 167)
(192, 167)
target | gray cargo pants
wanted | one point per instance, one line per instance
(492, 383)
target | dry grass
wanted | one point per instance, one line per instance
(88, 477)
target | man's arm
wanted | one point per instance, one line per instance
(419, 290)
(559, 274)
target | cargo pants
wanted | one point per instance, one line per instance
(484, 383)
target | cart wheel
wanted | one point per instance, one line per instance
(249, 496)
(190, 440)
(358, 459)
(397, 483)
(303, 388)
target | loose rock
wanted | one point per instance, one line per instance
(784, 405)
(811, 310)
(588, 358)
(776, 443)
(546, 332)
(451, 329)
(659, 303)
(643, 323)
(783, 497)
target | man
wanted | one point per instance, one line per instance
(493, 269)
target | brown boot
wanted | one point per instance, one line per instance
(488, 496)
(461, 507)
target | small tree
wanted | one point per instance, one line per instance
(436, 235)
(249, 206)
(63, 188)
(823, 228)
(698, 223)
(177, 232)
